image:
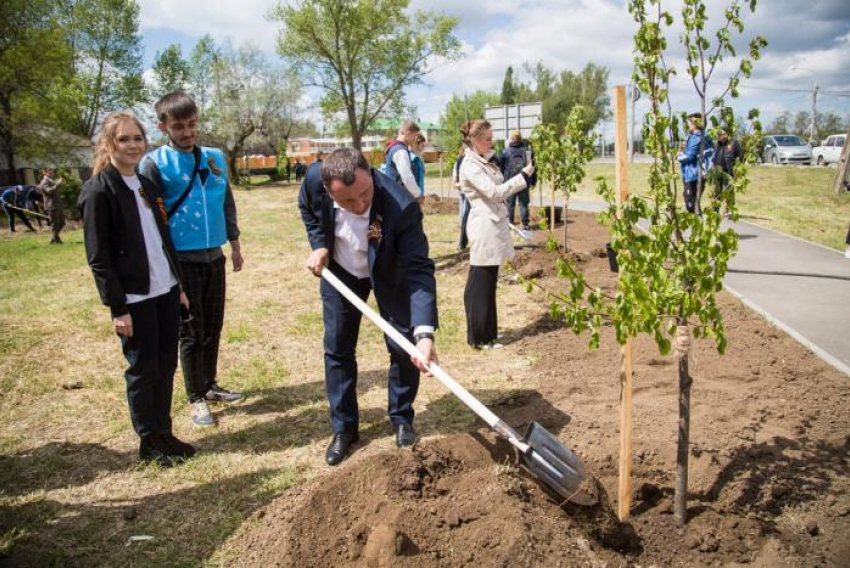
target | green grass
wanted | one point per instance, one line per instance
(796, 200)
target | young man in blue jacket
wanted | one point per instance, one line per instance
(202, 218)
(697, 154)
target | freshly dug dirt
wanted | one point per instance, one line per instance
(769, 461)
(434, 204)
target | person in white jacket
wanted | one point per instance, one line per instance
(489, 234)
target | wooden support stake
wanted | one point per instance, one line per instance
(552, 203)
(624, 488)
(843, 171)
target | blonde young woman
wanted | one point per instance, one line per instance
(133, 261)
(483, 185)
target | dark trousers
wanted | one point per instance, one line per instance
(36, 208)
(463, 241)
(12, 213)
(479, 299)
(524, 199)
(57, 223)
(693, 194)
(204, 285)
(342, 327)
(152, 359)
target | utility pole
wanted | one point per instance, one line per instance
(814, 129)
(634, 95)
(466, 107)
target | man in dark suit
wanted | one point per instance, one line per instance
(367, 230)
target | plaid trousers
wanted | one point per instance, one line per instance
(204, 285)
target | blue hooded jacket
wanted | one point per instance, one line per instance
(689, 159)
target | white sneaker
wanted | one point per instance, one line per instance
(201, 415)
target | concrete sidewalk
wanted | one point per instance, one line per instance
(800, 287)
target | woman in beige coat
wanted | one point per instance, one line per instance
(486, 190)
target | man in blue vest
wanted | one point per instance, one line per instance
(397, 158)
(201, 217)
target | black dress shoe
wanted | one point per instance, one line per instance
(405, 435)
(340, 446)
(151, 449)
(175, 447)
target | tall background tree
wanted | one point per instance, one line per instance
(106, 53)
(362, 53)
(170, 70)
(460, 109)
(34, 62)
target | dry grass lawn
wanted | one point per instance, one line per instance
(71, 491)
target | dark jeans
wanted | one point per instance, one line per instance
(204, 285)
(342, 328)
(57, 223)
(152, 359)
(479, 299)
(12, 213)
(693, 194)
(524, 198)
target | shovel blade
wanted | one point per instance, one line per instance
(558, 467)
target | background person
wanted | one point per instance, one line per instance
(514, 159)
(397, 157)
(463, 204)
(696, 155)
(367, 230)
(14, 199)
(35, 203)
(417, 164)
(135, 268)
(202, 218)
(482, 182)
(728, 154)
(53, 204)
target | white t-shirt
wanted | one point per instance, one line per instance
(161, 276)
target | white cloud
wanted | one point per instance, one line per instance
(242, 22)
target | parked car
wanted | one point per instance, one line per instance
(830, 151)
(786, 149)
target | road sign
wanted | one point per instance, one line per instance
(523, 117)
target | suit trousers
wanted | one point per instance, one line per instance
(479, 299)
(204, 284)
(342, 327)
(152, 359)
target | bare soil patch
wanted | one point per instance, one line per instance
(769, 467)
(433, 204)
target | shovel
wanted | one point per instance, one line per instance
(542, 454)
(523, 234)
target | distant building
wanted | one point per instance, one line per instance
(61, 150)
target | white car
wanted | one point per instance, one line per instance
(830, 151)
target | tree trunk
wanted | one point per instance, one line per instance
(680, 499)
(7, 140)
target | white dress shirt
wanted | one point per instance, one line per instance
(162, 279)
(351, 246)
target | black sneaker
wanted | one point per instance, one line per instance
(151, 449)
(175, 448)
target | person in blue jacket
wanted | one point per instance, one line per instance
(13, 200)
(202, 217)
(697, 154)
(417, 164)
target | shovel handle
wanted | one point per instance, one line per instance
(464, 395)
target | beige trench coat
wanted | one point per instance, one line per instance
(487, 226)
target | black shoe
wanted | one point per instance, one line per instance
(151, 449)
(405, 435)
(340, 446)
(175, 448)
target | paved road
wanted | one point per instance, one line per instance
(801, 287)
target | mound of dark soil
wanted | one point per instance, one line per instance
(433, 204)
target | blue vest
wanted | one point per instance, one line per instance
(391, 170)
(199, 221)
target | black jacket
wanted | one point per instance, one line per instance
(727, 157)
(115, 243)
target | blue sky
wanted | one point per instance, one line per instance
(809, 42)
